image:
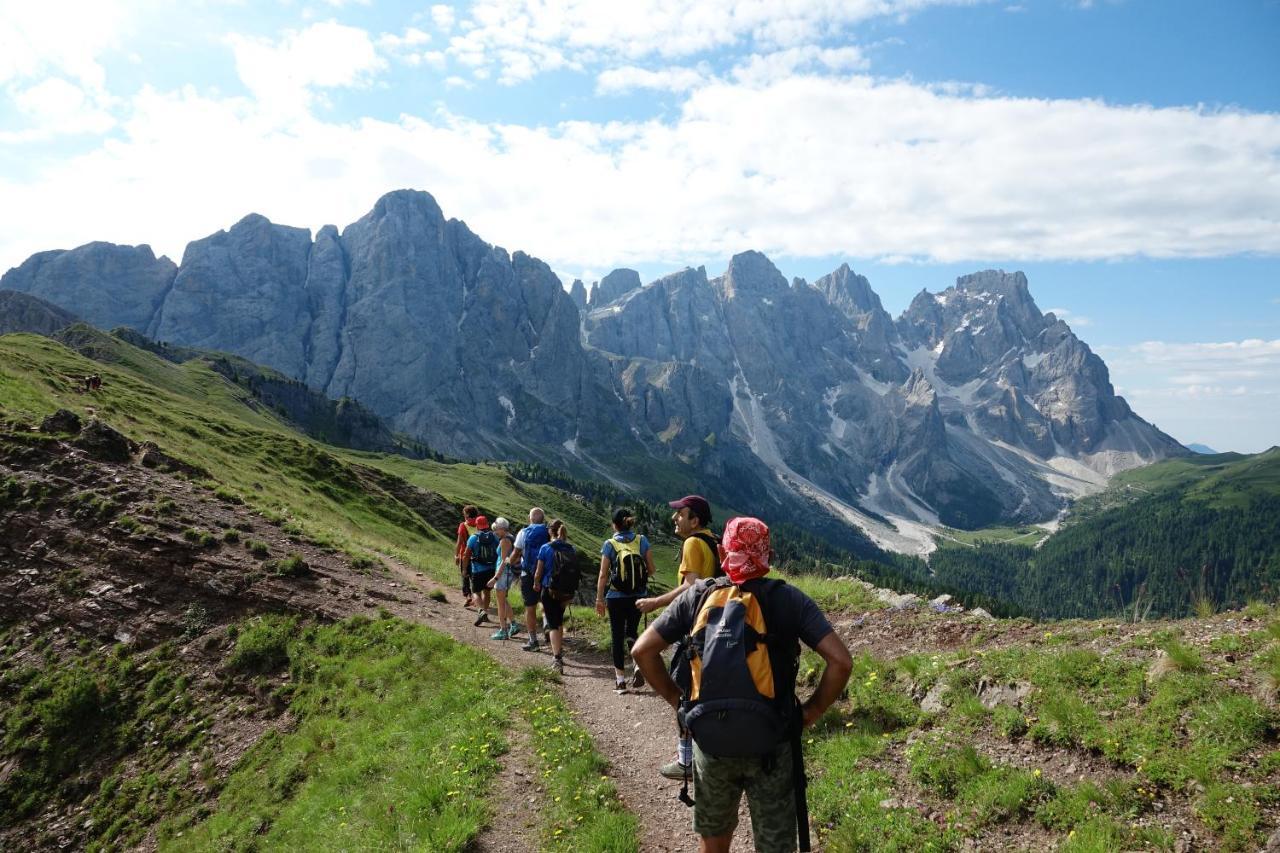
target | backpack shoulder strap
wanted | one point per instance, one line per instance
(712, 544)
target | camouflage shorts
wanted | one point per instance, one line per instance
(718, 784)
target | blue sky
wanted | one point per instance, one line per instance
(1124, 153)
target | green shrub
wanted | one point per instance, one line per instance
(263, 644)
(1183, 657)
(1009, 722)
(257, 548)
(231, 536)
(945, 767)
(1003, 793)
(291, 566)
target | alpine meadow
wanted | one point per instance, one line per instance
(495, 425)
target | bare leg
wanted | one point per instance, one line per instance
(715, 844)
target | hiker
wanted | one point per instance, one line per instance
(466, 529)
(626, 564)
(503, 579)
(744, 632)
(528, 542)
(699, 560)
(480, 561)
(556, 580)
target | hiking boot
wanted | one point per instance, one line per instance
(501, 634)
(481, 619)
(637, 678)
(620, 686)
(531, 646)
(676, 770)
(557, 664)
(511, 633)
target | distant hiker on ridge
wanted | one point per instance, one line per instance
(699, 559)
(556, 579)
(480, 560)
(626, 564)
(466, 529)
(744, 631)
(528, 542)
(502, 581)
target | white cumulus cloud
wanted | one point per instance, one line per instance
(285, 73)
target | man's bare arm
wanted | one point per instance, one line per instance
(835, 675)
(646, 605)
(647, 653)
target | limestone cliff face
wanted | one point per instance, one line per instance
(972, 407)
(101, 283)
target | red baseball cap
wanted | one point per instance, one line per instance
(697, 504)
(481, 522)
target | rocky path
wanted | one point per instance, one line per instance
(635, 731)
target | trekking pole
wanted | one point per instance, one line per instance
(799, 783)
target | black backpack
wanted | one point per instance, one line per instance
(486, 550)
(628, 573)
(741, 696)
(565, 573)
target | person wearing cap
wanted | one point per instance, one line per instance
(503, 579)
(624, 616)
(720, 781)
(480, 559)
(699, 559)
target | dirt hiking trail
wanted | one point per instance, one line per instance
(635, 731)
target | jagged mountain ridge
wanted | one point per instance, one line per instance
(972, 407)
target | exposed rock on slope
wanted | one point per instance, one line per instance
(973, 407)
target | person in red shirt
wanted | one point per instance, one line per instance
(466, 529)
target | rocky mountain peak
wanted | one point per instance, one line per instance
(751, 273)
(849, 292)
(614, 286)
(578, 293)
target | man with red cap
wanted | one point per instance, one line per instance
(699, 559)
(480, 561)
(772, 779)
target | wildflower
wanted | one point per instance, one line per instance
(1036, 773)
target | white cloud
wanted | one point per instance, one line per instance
(55, 107)
(285, 73)
(1226, 394)
(762, 69)
(526, 37)
(807, 166)
(59, 37)
(629, 78)
(1071, 318)
(443, 16)
(413, 37)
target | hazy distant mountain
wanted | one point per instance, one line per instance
(971, 408)
(1202, 448)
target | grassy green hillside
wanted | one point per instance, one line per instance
(957, 731)
(334, 495)
(1185, 536)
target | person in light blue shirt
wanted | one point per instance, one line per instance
(626, 564)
